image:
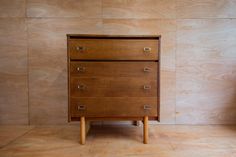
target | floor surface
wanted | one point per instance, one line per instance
(118, 141)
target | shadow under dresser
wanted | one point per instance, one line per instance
(113, 78)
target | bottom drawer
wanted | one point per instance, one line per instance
(113, 107)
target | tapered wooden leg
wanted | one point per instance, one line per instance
(82, 130)
(87, 125)
(145, 129)
(136, 123)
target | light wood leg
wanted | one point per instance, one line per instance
(145, 129)
(82, 130)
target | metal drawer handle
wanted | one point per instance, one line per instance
(81, 69)
(147, 107)
(146, 87)
(80, 48)
(81, 87)
(81, 107)
(147, 49)
(146, 69)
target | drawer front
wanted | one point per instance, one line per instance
(113, 87)
(113, 69)
(113, 107)
(113, 49)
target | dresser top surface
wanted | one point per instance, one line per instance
(95, 36)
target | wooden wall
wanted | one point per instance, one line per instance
(198, 67)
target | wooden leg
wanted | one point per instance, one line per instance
(136, 123)
(87, 126)
(145, 129)
(82, 130)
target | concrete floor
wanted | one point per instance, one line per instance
(118, 141)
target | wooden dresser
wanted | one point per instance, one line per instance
(113, 78)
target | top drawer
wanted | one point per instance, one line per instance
(113, 49)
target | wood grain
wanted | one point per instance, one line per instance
(149, 9)
(167, 97)
(206, 9)
(82, 130)
(206, 76)
(12, 8)
(124, 140)
(113, 87)
(113, 49)
(145, 129)
(62, 140)
(114, 69)
(48, 66)
(13, 71)
(113, 106)
(198, 43)
(167, 30)
(62, 8)
(8, 133)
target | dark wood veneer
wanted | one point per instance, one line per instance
(113, 78)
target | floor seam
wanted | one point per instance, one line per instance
(18, 137)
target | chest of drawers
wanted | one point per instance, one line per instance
(113, 78)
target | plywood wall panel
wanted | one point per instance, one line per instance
(13, 71)
(197, 85)
(206, 75)
(167, 30)
(62, 8)
(147, 9)
(206, 9)
(12, 8)
(48, 66)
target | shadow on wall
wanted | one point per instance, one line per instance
(230, 108)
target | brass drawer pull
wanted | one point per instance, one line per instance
(146, 69)
(147, 107)
(146, 87)
(81, 107)
(80, 48)
(81, 87)
(81, 69)
(147, 49)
